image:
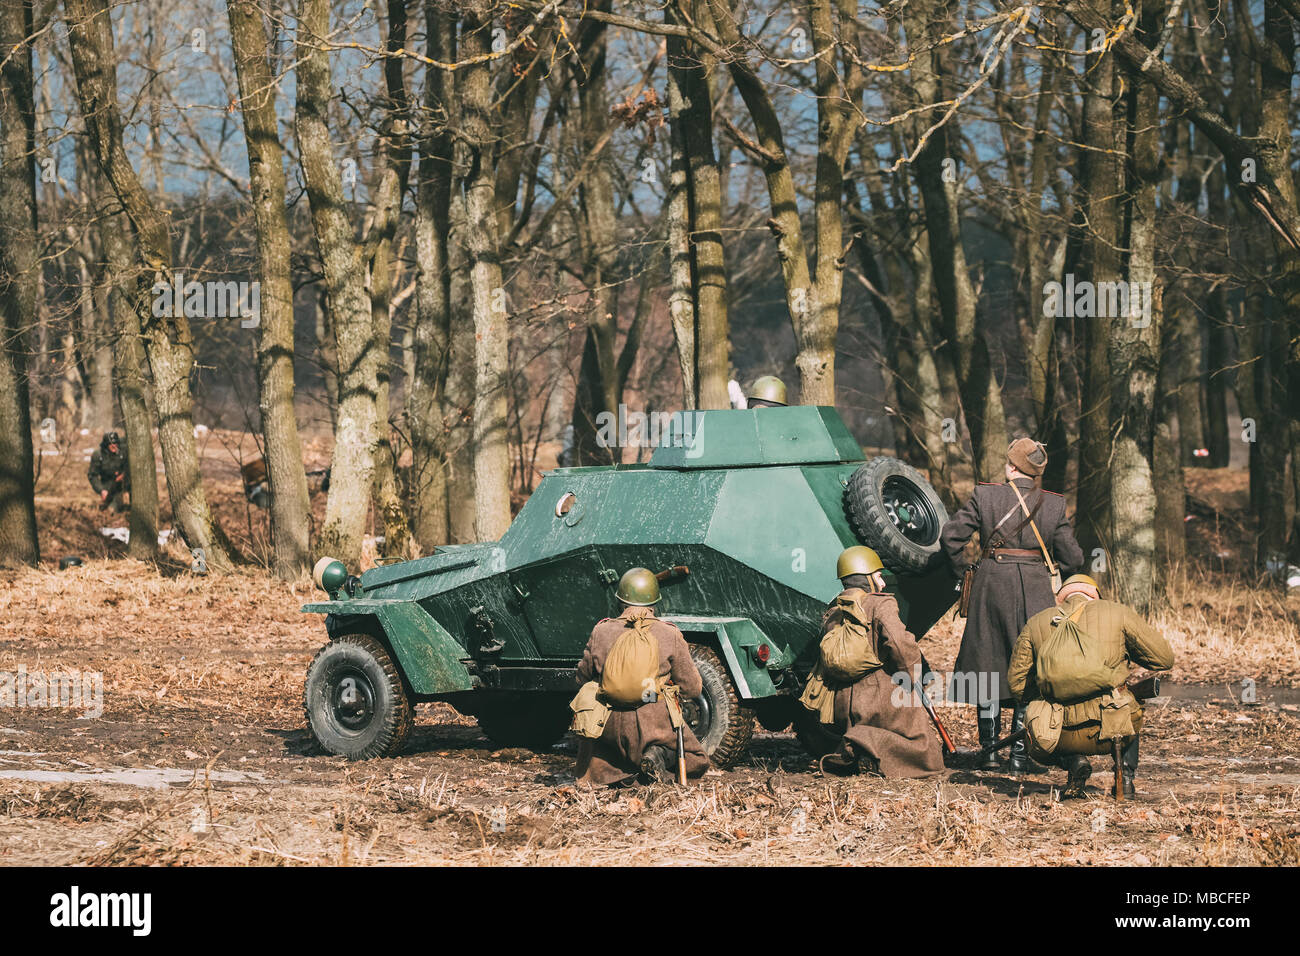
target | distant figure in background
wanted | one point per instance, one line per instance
(256, 489)
(108, 473)
(767, 392)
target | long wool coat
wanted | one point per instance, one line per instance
(1008, 590)
(902, 738)
(616, 756)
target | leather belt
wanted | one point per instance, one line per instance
(1016, 553)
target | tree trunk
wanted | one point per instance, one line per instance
(131, 380)
(352, 467)
(19, 265)
(1099, 180)
(816, 343)
(393, 152)
(1133, 356)
(487, 296)
(169, 345)
(426, 399)
(282, 448)
(981, 394)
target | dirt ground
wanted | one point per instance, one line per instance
(201, 753)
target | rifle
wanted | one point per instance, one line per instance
(929, 709)
(672, 572)
(1119, 771)
(997, 745)
(681, 756)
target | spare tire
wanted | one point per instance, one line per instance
(894, 511)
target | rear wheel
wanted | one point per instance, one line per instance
(533, 721)
(356, 704)
(723, 726)
(894, 511)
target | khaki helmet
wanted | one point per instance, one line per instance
(769, 388)
(1078, 584)
(857, 560)
(639, 588)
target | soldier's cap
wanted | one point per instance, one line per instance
(1078, 584)
(769, 388)
(1029, 456)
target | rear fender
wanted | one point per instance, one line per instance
(430, 659)
(737, 639)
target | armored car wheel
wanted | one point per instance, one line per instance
(723, 726)
(894, 511)
(531, 721)
(355, 701)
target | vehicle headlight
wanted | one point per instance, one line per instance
(329, 575)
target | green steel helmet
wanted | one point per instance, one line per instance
(769, 388)
(639, 588)
(857, 560)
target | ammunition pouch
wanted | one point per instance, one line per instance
(590, 711)
(818, 697)
(1043, 722)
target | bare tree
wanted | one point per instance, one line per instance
(18, 283)
(283, 449)
(169, 344)
(356, 434)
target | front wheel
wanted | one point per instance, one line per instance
(722, 725)
(354, 699)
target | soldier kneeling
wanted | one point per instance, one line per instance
(864, 642)
(633, 673)
(1071, 667)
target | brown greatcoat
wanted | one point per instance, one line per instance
(900, 738)
(616, 756)
(1126, 639)
(1008, 590)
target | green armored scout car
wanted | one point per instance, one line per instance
(742, 514)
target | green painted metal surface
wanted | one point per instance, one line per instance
(753, 506)
(738, 638)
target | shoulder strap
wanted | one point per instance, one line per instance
(1071, 616)
(1029, 516)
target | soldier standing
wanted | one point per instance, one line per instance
(767, 392)
(640, 740)
(881, 735)
(108, 473)
(1021, 528)
(1093, 724)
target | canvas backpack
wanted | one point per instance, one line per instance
(1071, 664)
(847, 650)
(630, 676)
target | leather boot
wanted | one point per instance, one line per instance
(1019, 762)
(841, 763)
(989, 727)
(654, 764)
(1079, 769)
